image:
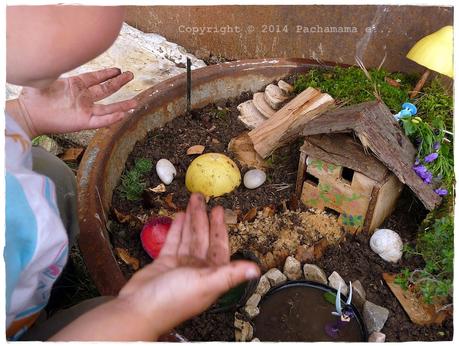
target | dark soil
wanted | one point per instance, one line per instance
(214, 126)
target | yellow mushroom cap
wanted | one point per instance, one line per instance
(435, 51)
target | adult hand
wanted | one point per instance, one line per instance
(68, 104)
(193, 269)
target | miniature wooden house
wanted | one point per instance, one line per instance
(336, 174)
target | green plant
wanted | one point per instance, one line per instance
(436, 246)
(132, 182)
(352, 85)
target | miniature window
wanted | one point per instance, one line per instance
(332, 211)
(309, 178)
(347, 174)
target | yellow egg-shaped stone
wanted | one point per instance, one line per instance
(213, 175)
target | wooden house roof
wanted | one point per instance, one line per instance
(374, 125)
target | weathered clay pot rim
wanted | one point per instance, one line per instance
(93, 207)
(325, 288)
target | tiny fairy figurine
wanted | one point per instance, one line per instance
(344, 314)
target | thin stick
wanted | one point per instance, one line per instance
(188, 85)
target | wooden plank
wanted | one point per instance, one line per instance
(343, 150)
(386, 201)
(287, 123)
(300, 174)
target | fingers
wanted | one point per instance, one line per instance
(200, 228)
(228, 276)
(92, 78)
(218, 253)
(171, 245)
(122, 106)
(195, 218)
(101, 90)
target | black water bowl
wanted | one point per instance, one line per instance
(237, 296)
(300, 310)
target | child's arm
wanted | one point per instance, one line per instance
(68, 104)
(192, 271)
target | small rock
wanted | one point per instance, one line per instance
(251, 311)
(263, 286)
(377, 337)
(374, 316)
(292, 268)
(255, 340)
(245, 333)
(359, 295)
(275, 277)
(335, 280)
(254, 178)
(253, 300)
(166, 171)
(50, 145)
(314, 273)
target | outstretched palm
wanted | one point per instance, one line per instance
(192, 270)
(69, 104)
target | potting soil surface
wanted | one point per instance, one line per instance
(214, 126)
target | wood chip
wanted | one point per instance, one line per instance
(158, 189)
(243, 149)
(230, 217)
(195, 150)
(250, 115)
(285, 87)
(274, 96)
(263, 107)
(123, 254)
(250, 215)
(269, 210)
(72, 154)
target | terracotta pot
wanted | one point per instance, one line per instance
(104, 159)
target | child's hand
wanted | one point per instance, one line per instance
(191, 272)
(68, 104)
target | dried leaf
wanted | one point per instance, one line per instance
(123, 254)
(158, 189)
(72, 154)
(169, 201)
(250, 215)
(245, 153)
(122, 218)
(230, 217)
(195, 150)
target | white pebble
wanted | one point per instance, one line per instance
(254, 178)
(166, 171)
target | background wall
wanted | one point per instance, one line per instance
(327, 33)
